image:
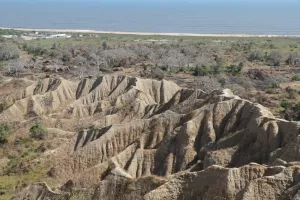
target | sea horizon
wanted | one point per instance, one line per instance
(191, 17)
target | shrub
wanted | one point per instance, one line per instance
(293, 59)
(235, 69)
(296, 77)
(274, 58)
(3, 105)
(202, 71)
(270, 90)
(54, 53)
(38, 131)
(236, 89)
(292, 112)
(284, 104)
(157, 73)
(15, 68)
(35, 49)
(8, 52)
(48, 100)
(4, 133)
(255, 56)
(296, 107)
(257, 74)
(222, 81)
(104, 45)
(275, 84)
(293, 94)
(208, 84)
(66, 56)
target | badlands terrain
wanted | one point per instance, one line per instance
(103, 116)
(122, 137)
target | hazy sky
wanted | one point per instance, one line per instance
(270, 3)
(124, 1)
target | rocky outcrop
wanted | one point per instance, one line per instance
(148, 139)
(40, 191)
(248, 182)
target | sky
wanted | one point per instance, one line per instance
(198, 1)
(211, 2)
(269, 3)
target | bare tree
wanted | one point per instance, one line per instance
(79, 61)
(274, 58)
(14, 68)
(255, 56)
(8, 51)
(120, 57)
(94, 60)
(142, 51)
(293, 59)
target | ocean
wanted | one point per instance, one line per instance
(202, 17)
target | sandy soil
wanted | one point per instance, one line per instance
(145, 33)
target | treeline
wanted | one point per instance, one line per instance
(10, 32)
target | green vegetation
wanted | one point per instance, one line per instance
(5, 132)
(270, 90)
(208, 63)
(10, 32)
(284, 104)
(275, 84)
(296, 77)
(38, 131)
(23, 167)
(34, 49)
(235, 69)
(202, 71)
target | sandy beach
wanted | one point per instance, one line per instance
(148, 33)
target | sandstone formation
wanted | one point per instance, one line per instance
(147, 139)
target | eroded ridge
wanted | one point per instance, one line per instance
(149, 139)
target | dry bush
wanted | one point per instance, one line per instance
(274, 58)
(15, 68)
(293, 59)
(8, 51)
(237, 89)
(208, 84)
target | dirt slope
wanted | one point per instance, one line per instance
(148, 139)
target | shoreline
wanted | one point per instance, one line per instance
(147, 33)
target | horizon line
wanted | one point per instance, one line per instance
(149, 33)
